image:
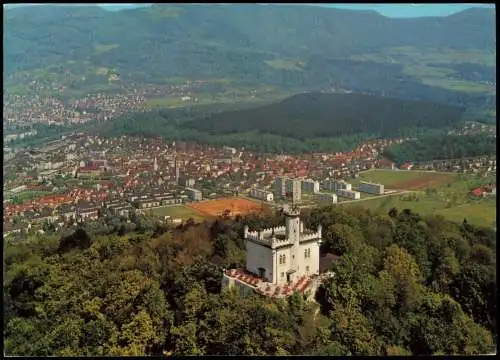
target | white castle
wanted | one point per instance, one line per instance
(279, 260)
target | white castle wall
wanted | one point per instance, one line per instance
(258, 256)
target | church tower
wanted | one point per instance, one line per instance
(155, 165)
(177, 171)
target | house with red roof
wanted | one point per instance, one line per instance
(406, 166)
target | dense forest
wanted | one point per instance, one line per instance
(167, 123)
(404, 284)
(314, 115)
(442, 147)
(174, 124)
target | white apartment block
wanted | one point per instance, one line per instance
(371, 188)
(194, 194)
(284, 186)
(337, 185)
(354, 195)
(327, 198)
(280, 186)
(296, 190)
(261, 194)
(310, 186)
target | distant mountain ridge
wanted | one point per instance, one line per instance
(283, 31)
(297, 47)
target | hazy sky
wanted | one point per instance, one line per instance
(391, 10)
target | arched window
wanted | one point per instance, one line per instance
(305, 253)
(284, 259)
(281, 259)
(308, 253)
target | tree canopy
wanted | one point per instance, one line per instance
(404, 284)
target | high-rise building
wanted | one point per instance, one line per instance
(296, 191)
(280, 187)
(310, 186)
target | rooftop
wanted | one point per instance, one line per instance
(301, 285)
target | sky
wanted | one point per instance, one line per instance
(390, 10)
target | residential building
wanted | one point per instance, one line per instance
(371, 188)
(261, 194)
(310, 186)
(186, 181)
(354, 195)
(336, 185)
(327, 198)
(194, 194)
(280, 186)
(296, 190)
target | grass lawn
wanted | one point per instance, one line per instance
(454, 189)
(29, 195)
(483, 212)
(405, 180)
(178, 211)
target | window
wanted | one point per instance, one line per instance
(284, 259)
(282, 274)
(307, 268)
(305, 253)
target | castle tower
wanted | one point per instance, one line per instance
(155, 165)
(292, 223)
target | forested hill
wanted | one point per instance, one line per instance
(303, 47)
(442, 147)
(404, 285)
(314, 115)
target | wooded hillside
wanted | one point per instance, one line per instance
(405, 284)
(442, 148)
(314, 115)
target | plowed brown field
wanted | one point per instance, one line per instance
(235, 205)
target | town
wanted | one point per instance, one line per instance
(53, 109)
(79, 175)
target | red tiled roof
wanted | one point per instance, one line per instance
(477, 192)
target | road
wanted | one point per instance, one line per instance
(276, 205)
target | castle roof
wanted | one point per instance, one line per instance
(263, 287)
